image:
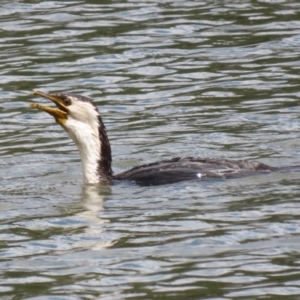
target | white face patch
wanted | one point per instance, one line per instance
(84, 112)
(199, 175)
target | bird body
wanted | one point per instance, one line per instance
(82, 121)
(191, 168)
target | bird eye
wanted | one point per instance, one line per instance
(67, 101)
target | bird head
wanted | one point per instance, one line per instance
(82, 121)
(70, 107)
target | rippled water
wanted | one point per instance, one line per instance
(171, 78)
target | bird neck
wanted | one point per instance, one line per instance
(95, 151)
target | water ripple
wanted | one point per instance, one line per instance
(171, 78)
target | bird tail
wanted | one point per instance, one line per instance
(289, 169)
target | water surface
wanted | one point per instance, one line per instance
(171, 78)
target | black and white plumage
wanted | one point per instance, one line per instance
(82, 121)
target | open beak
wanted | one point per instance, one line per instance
(60, 113)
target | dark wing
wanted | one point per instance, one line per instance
(180, 169)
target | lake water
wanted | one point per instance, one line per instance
(170, 78)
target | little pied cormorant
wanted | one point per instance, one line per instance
(81, 119)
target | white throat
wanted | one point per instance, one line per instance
(88, 143)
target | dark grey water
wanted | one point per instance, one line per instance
(171, 78)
